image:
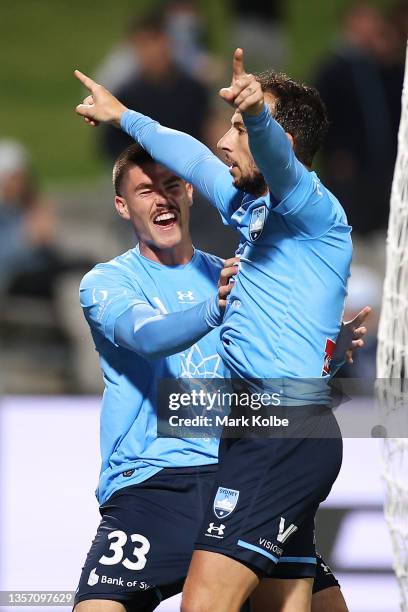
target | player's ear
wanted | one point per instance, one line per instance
(190, 193)
(291, 139)
(122, 207)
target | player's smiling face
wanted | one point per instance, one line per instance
(157, 203)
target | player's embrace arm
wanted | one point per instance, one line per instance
(181, 153)
(114, 310)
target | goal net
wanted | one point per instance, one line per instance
(392, 359)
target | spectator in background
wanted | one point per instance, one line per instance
(185, 28)
(36, 276)
(361, 85)
(27, 225)
(158, 78)
(398, 17)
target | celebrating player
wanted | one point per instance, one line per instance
(138, 306)
(295, 258)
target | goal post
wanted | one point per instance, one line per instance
(392, 358)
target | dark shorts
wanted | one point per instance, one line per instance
(143, 546)
(264, 501)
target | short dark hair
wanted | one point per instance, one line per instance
(153, 21)
(299, 110)
(134, 155)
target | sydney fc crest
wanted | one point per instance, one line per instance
(225, 502)
(257, 222)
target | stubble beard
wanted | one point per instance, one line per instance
(254, 184)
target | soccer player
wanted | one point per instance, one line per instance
(304, 241)
(143, 308)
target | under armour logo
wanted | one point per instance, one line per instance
(185, 296)
(219, 530)
(285, 533)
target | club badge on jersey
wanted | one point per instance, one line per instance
(257, 222)
(328, 356)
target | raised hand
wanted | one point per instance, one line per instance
(245, 92)
(101, 105)
(351, 336)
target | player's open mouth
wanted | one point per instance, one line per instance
(165, 220)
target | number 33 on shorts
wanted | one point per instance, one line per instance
(119, 539)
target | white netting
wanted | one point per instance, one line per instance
(392, 359)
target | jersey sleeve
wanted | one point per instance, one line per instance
(295, 192)
(104, 296)
(153, 335)
(115, 310)
(188, 158)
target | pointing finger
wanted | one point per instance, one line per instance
(85, 80)
(238, 69)
(362, 315)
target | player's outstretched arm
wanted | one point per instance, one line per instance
(269, 145)
(181, 153)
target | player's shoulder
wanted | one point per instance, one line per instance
(340, 213)
(213, 261)
(119, 270)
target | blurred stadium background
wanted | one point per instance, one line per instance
(57, 221)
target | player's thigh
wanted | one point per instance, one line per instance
(217, 583)
(283, 595)
(145, 540)
(99, 605)
(329, 599)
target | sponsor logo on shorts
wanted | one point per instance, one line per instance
(285, 533)
(324, 567)
(270, 546)
(215, 531)
(225, 502)
(93, 577)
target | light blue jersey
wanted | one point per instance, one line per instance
(286, 306)
(108, 293)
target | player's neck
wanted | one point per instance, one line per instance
(174, 256)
